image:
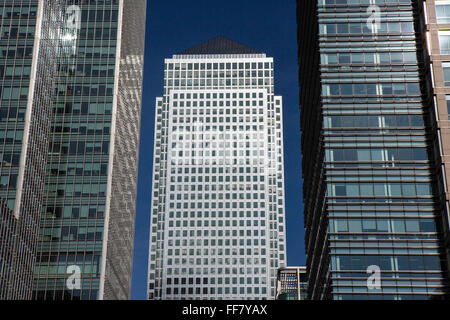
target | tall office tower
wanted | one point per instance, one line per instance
(292, 283)
(371, 169)
(217, 224)
(87, 227)
(437, 19)
(29, 46)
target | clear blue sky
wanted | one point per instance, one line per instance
(265, 25)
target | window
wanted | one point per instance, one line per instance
(447, 98)
(444, 42)
(443, 11)
(446, 70)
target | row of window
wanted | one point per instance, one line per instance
(83, 128)
(95, 50)
(214, 187)
(219, 196)
(219, 82)
(222, 103)
(204, 152)
(12, 113)
(107, 14)
(196, 161)
(362, 28)
(212, 291)
(78, 190)
(15, 72)
(11, 136)
(97, 33)
(383, 237)
(221, 96)
(80, 148)
(363, 189)
(214, 170)
(227, 233)
(218, 74)
(216, 242)
(397, 225)
(219, 223)
(221, 111)
(383, 296)
(79, 169)
(61, 270)
(362, 89)
(83, 108)
(73, 233)
(250, 260)
(206, 281)
(364, 2)
(219, 66)
(16, 11)
(379, 121)
(377, 58)
(221, 128)
(87, 90)
(77, 212)
(205, 271)
(219, 214)
(19, 51)
(387, 154)
(386, 263)
(17, 32)
(65, 294)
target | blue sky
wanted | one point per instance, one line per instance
(265, 25)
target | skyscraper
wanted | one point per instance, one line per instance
(375, 214)
(87, 225)
(71, 80)
(29, 47)
(436, 17)
(217, 223)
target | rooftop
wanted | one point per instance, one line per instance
(219, 45)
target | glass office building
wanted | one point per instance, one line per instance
(373, 188)
(29, 48)
(217, 224)
(87, 226)
(292, 284)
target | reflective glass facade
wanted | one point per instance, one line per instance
(372, 188)
(29, 47)
(87, 225)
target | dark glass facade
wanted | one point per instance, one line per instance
(372, 188)
(87, 225)
(29, 47)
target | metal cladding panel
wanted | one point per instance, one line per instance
(119, 257)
